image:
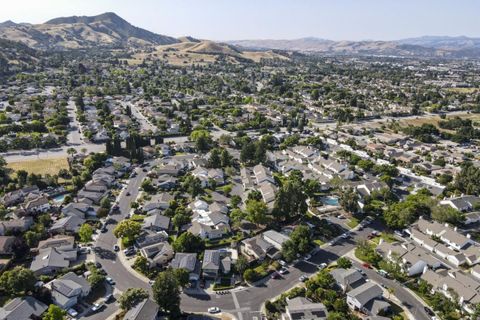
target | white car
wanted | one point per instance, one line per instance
(214, 310)
(322, 266)
(283, 271)
(72, 312)
(97, 306)
(282, 263)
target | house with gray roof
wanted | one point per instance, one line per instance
(463, 203)
(367, 298)
(69, 289)
(301, 308)
(51, 260)
(156, 222)
(158, 254)
(16, 225)
(69, 224)
(145, 310)
(347, 279)
(23, 308)
(189, 262)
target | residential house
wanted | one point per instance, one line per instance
(69, 289)
(24, 308)
(7, 244)
(215, 262)
(462, 203)
(301, 308)
(17, 225)
(189, 262)
(347, 279)
(158, 254)
(367, 298)
(36, 205)
(69, 224)
(145, 310)
(156, 222)
(51, 260)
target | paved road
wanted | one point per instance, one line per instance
(145, 124)
(109, 259)
(74, 136)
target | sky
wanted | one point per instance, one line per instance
(270, 19)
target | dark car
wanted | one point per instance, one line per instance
(98, 264)
(429, 311)
(108, 298)
(276, 275)
(128, 194)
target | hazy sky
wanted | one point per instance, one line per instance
(274, 19)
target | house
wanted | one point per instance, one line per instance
(472, 217)
(51, 260)
(149, 237)
(69, 224)
(206, 231)
(268, 191)
(262, 174)
(215, 262)
(38, 204)
(17, 225)
(158, 201)
(257, 248)
(275, 238)
(145, 310)
(156, 222)
(347, 279)
(69, 289)
(79, 209)
(61, 242)
(367, 298)
(7, 244)
(189, 262)
(301, 308)
(462, 203)
(23, 308)
(158, 254)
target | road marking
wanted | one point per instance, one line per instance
(237, 305)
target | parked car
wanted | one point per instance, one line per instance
(213, 310)
(108, 298)
(366, 265)
(97, 306)
(283, 270)
(116, 248)
(282, 263)
(72, 312)
(276, 275)
(128, 194)
(303, 278)
(322, 266)
(110, 281)
(383, 273)
(308, 257)
(129, 251)
(429, 311)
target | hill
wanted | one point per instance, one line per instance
(15, 57)
(203, 51)
(104, 30)
(449, 47)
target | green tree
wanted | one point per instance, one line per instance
(166, 293)
(188, 242)
(241, 265)
(257, 212)
(18, 281)
(299, 243)
(192, 185)
(214, 159)
(127, 228)
(54, 313)
(349, 200)
(344, 263)
(250, 275)
(85, 233)
(290, 200)
(183, 276)
(131, 297)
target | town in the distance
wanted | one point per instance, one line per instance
(146, 177)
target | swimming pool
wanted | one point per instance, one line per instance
(59, 199)
(329, 201)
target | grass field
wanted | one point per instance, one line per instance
(40, 166)
(435, 119)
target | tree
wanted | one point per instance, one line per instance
(141, 264)
(250, 275)
(32, 238)
(192, 185)
(401, 214)
(105, 203)
(299, 243)
(257, 212)
(214, 160)
(95, 278)
(349, 200)
(127, 228)
(344, 263)
(447, 214)
(85, 233)
(180, 218)
(183, 276)
(22, 177)
(18, 281)
(241, 265)
(188, 242)
(54, 313)
(225, 158)
(132, 297)
(290, 200)
(166, 293)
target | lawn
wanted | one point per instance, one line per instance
(353, 222)
(40, 166)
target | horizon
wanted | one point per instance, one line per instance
(345, 20)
